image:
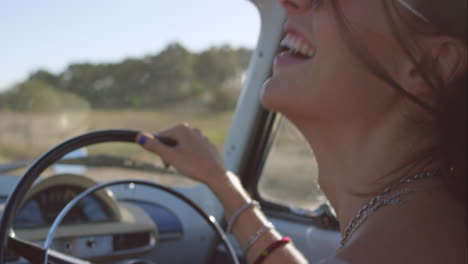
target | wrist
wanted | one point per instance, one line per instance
(230, 192)
(221, 179)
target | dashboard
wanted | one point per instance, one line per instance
(100, 228)
(42, 209)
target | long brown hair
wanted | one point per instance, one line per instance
(449, 111)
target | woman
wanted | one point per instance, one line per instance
(378, 88)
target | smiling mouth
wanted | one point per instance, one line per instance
(296, 46)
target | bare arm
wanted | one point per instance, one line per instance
(233, 196)
(195, 157)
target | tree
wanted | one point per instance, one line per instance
(45, 76)
(217, 68)
(175, 74)
(39, 96)
(172, 75)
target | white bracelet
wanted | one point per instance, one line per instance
(253, 238)
(236, 214)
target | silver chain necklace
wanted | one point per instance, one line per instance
(384, 198)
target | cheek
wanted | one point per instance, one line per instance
(334, 90)
(313, 89)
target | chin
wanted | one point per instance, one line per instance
(284, 95)
(271, 95)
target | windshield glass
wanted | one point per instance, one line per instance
(73, 67)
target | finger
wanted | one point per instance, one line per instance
(148, 141)
(143, 137)
(177, 132)
(168, 132)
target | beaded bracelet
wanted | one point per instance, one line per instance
(270, 249)
(236, 214)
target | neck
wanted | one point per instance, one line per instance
(356, 162)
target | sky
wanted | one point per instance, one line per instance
(50, 34)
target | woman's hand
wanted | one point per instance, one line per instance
(194, 155)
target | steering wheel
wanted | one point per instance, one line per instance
(37, 254)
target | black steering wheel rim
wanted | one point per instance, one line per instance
(54, 155)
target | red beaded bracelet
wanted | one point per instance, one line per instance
(275, 245)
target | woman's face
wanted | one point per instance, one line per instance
(317, 77)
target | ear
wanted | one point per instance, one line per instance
(447, 57)
(451, 59)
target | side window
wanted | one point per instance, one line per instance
(290, 173)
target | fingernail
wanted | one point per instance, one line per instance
(142, 140)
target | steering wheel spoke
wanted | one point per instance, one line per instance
(35, 253)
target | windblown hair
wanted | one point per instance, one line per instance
(449, 109)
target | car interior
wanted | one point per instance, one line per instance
(94, 196)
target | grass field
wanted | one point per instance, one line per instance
(25, 136)
(290, 173)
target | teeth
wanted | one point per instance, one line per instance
(295, 44)
(285, 41)
(303, 49)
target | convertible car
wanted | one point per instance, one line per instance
(96, 197)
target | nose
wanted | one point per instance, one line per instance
(296, 6)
